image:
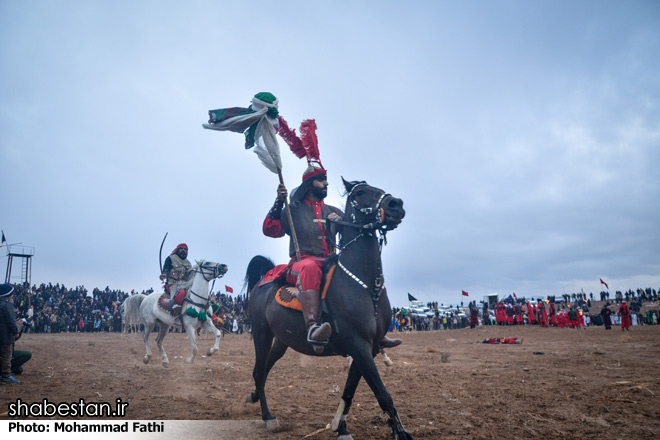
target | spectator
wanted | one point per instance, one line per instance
(8, 332)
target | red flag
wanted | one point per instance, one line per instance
(465, 293)
(603, 282)
(229, 289)
(514, 295)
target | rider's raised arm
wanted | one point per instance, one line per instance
(272, 226)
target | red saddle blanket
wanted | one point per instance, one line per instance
(274, 274)
(286, 295)
(164, 299)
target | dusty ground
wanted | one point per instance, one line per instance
(445, 384)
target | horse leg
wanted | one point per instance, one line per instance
(267, 354)
(367, 367)
(190, 331)
(162, 332)
(210, 328)
(339, 421)
(276, 352)
(145, 336)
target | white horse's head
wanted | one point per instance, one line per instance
(209, 270)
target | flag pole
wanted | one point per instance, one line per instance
(294, 237)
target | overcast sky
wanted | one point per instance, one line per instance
(523, 137)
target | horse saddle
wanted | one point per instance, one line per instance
(164, 301)
(287, 295)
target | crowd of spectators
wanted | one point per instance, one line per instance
(234, 314)
(570, 306)
(55, 308)
(441, 318)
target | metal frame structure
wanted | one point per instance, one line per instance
(25, 253)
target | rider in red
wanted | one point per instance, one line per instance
(315, 239)
(309, 214)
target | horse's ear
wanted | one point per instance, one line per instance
(199, 262)
(348, 185)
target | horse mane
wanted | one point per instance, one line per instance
(256, 270)
(258, 267)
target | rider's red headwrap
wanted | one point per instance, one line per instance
(179, 246)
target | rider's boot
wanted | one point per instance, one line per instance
(390, 343)
(170, 306)
(175, 310)
(309, 300)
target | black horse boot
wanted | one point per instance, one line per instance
(309, 300)
(390, 343)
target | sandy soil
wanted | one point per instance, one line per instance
(558, 384)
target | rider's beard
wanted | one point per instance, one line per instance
(320, 192)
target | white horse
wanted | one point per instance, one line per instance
(144, 309)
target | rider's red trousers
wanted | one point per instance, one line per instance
(306, 274)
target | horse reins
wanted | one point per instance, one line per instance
(207, 299)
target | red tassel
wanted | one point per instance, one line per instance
(309, 140)
(307, 145)
(290, 138)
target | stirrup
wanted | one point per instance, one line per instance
(314, 341)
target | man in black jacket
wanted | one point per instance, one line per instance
(8, 333)
(606, 314)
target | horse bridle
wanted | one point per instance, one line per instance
(377, 209)
(207, 299)
(366, 229)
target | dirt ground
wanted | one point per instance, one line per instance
(557, 384)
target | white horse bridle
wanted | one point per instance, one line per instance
(207, 299)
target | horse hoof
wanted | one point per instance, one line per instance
(210, 352)
(188, 360)
(252, 398)
(166, 364)
(345, 437)
(272, 424)
(146, 359)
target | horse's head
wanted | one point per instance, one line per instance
(209, 269)
(367, 204)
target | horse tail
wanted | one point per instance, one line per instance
(130, 311)
(256, 270)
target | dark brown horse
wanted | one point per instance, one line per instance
(356, 306)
